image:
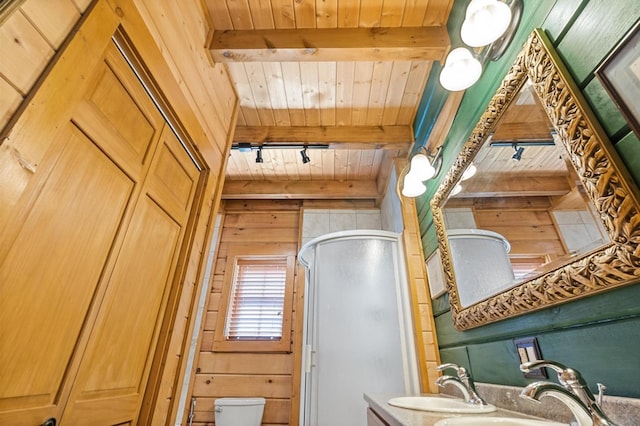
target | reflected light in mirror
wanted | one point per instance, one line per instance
(461, 70)
(469, 172)
(485, 22)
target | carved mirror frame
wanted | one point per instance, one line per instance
(608, 184)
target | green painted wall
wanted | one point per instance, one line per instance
(598, 335)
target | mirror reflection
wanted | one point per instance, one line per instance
(524, 211)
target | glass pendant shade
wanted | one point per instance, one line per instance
(460, 70)
(485, 22)
(412, 187)
(421, 168)
(456, 190)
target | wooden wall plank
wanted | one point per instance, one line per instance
(29, 52)
(237, 385)
(54, 19)
(10, 100)
(240, 363)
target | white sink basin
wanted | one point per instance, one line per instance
(442, 405)
(493, 421)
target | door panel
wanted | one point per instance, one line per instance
(113, 374)
(116, 362)
(51, 270)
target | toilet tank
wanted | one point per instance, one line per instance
(239, 411)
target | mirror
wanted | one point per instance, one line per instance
(550, 197)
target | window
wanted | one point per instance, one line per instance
(256, 303)
(257, 300)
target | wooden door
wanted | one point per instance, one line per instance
(88, 256)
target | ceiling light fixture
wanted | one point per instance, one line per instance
(259, 155)
(422, 167)
(489, 23)
(305, 157)
(518, 155)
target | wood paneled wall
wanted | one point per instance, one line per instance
(268, 375)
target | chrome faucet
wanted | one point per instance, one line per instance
(463, 381)
(572, 391)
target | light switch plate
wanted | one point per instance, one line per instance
(528, 350)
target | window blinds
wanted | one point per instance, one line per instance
(257, 300)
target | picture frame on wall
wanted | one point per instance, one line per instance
(620, 76)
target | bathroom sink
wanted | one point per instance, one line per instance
(493, 421)
(442, 405)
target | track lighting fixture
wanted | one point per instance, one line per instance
(248, 147)
(305, 157)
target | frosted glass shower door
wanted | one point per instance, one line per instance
(355, 327)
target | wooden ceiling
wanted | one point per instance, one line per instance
(346, 73)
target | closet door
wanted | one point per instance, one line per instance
(112, 377)
(88, 254)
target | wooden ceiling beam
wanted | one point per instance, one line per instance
(330, 44)
(337, 137)
(308, 190)
(514, 186)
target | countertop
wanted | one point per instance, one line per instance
(396, 416)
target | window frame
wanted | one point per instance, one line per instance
(244, 253)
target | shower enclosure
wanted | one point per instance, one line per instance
(358, 330)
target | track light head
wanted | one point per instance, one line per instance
(518, 155)
(305, 157)
(259, 155)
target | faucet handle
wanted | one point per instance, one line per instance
(601, 389)
(460, 371)
(568, 377)
(526, 367)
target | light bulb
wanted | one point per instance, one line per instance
(485, 22)
(412, 187)
(460, 70)
(421, 168)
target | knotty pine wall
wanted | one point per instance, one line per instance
(265, 375)
(30, 36)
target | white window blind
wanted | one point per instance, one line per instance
(257, 300)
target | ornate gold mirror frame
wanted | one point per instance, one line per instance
(608, 183)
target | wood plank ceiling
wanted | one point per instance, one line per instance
(346, 73)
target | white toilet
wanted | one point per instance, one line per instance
(239, 411)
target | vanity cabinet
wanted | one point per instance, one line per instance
(373, 419)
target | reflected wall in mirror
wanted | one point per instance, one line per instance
(549, 183)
